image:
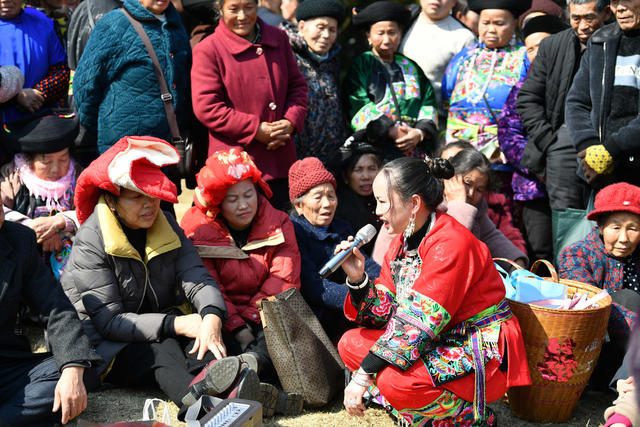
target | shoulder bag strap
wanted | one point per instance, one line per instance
(165, 93)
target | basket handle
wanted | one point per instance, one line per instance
(508, 261)
(550, 267)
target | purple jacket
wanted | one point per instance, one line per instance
(512, 138)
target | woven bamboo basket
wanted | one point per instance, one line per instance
(582, 331)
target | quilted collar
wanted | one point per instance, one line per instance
(160, 237)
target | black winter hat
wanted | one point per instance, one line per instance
(382, 11)
(46, 134)
(310, 9)
(543, 24)
(516, 7)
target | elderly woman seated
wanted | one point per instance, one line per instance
(608, 258)
(146, 302)
(37, 187)
(312, 190)
(250, 248)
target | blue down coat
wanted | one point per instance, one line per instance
(115, 89)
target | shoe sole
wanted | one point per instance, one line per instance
(220, 376)
(269, 399)
(290, 404)
(249, 385)
(250, 360)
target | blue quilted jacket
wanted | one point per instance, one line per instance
(115, 89)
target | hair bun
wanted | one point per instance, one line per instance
(441, 168)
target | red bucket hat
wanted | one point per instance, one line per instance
(222, 170)
(306, 174)
(134, 163)
(620, 197)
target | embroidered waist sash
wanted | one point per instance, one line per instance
(472, 327)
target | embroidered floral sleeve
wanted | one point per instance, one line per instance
(377, 307)
(412, 327)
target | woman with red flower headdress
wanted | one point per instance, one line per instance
(135, 280)
(250, 248)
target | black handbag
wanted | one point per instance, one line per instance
(186, 147)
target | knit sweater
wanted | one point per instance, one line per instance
(587, 261)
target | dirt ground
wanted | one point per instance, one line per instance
(113, 405)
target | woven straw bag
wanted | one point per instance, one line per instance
(562, 348)
(304, 357)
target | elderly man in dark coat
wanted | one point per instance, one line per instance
(37, 388)
(541, 103)
(603, 102)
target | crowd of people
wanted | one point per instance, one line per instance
(457, 128)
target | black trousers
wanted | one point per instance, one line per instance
(166, 363)
(266, 370)
(536, 219)
(565, 188)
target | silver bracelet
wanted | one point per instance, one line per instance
(361, 382)
(364, 283)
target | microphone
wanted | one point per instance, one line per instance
(364, 236)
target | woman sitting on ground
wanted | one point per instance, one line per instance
(249, 247)
(134, 277)
(357, 164)
(609, 259)
(385, 92)
(437, 329)
(38, 186)
(312, 189)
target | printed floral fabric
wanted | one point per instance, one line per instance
(559, 363)
(475, 87)
(324, 127)
(512, 138)
(416, 99)
(587, 261)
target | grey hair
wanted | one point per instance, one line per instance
(600, 4)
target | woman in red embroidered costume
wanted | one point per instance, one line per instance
(437, 330)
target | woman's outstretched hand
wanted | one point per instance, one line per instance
(353, 266)
(353, 396)
(210, 338)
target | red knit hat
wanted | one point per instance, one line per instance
(222, 170)
(134, 163)
(306, 174)
(620, 197)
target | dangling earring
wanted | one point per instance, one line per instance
(410, 227)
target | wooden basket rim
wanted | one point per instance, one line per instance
(604, 303)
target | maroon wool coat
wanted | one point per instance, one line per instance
(236, 85)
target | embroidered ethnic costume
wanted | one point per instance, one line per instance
(442, 329)
(475, 88)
